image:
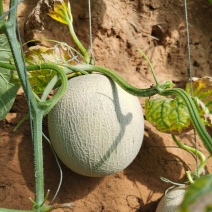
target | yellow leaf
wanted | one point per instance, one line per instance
(57, 17)
(202, 92)
(62, 12)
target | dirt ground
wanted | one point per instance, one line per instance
(119, 28)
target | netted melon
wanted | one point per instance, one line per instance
(172, 200)
(97, 128)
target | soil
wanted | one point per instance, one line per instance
(119, 27)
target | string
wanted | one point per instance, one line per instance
(12, 8)
(190, 72)
(92, 59)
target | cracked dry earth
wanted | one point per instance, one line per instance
(119, 28)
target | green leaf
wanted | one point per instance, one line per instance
(39, 79)
(8, 87)
(168, 115)
(198, 196)
(59, 54)
(202, 92)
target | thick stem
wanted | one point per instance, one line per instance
(11, 35)
(119, 80)
(194, 115)
(37, 114)
(38, 157)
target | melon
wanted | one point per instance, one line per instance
(172, 200)
(97, 128)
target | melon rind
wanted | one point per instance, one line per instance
(97, 128)
(172, 200)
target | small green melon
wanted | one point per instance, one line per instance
(97, 128)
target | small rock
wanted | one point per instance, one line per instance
(13, 118)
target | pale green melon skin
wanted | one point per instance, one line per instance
(97, 128)
(172, 200)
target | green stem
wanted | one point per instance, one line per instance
(194, 115)
(147, 92)
(69, 19)
(192, 150)
(193, 112)
(37, 122)
(43, 103)
(190, 178)
(162, 89)
(10, 29)
(1, 8)
(38, 157)
(49, 104)
(151, 67)
(79, 44)
(38, 129)
(13, 210)
(84, 69)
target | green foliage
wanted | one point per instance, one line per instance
(172, 116)
(168, 115)
(198, 196)
(59, 54)
(8, 86)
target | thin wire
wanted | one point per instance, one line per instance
(92, 59)
(12, 8)
(60, 169)
(190, 72)
(189, 49)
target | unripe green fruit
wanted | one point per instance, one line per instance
(97, 128)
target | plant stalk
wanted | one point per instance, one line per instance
(10, 30)
(38, 157)
(69, 19)
(200, 168)
(79, 44)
